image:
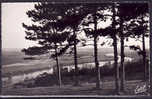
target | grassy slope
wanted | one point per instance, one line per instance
(108, 88)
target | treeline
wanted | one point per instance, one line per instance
(57, 26)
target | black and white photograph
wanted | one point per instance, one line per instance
(75, 48)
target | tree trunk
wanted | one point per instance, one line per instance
(116, 64)
(115, 52)
(144, 62)
(122, 67)
(75, 62)
(144, 51)
(58, 68)
(144, 56)
(96, 63)
(96, 55)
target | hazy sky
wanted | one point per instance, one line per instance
(13, 35)
(13, 15)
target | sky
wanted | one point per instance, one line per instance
(13, 34)
(13, 15)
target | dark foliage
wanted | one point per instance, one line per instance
(34, 50)
(138, 49)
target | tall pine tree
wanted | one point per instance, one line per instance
(48, 29)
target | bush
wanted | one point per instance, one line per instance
(106, 71)
(87, 71)
(134, 67)
(45, 79)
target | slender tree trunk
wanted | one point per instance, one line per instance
(116, 64)
(144, 52)
(96, 55)
(75, 62)
(144, 56)
(115, 52)
(96, 63)
(144, 62)
(58, 68)
(122, 56)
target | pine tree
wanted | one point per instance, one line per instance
(114, 36)
(94, 17)
(72, 20)
(126, 12)
(139, 29)
(48, 29)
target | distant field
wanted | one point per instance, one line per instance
(11, 57)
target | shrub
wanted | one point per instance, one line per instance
(45, 79)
